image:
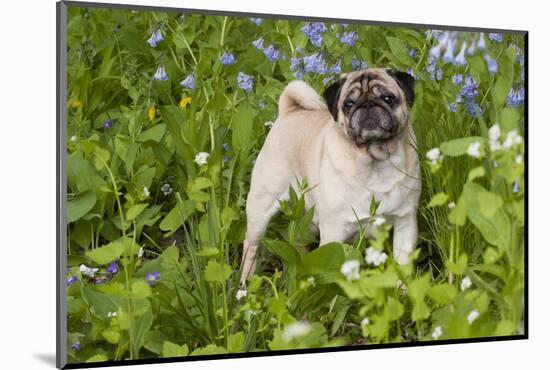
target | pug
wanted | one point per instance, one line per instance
(358, 146)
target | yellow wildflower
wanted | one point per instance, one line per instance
(151, 113)
(185, 102)
(76, 104)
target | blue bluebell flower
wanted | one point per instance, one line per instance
(413, 53)
(299, 73)
(471, 49)
(492, 65)
(439, 74)
(256, 21)
(155, 38)
(259, 43)
(356, 64)
(469, 88)
(336, 68)
(431, 70)
(189, 82)
(410, 72)
(481, 42)
(271, 53)
(76, 346)
(497, 37)
(315, 63)
(244, 81)
(453, 107)
(72, 280)
(457, 79)
(516, 98)
(349, 38)
(472, 107)
(152, 277)
(160, 74)
(460, 59)
(225, 146)
(225, 158)
(295, 63)
(448, 57)
(227, 59)
(515, 188)
(112, 268)
(314, 32)
(107, 124)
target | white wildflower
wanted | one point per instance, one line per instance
(472, 316)
(202, 158)
(112, 314)
(268, 124)
(166, 189)
(350, 269)
(88, 271)
(465, 283)
(73, 138)
(494, 145)
(140, 252)
(146, 192)
(433, 155)
(473, 149)
(311, 280)
(241, 293)
(451, 205)
(379, 221)
(437, 332)
(512, 138)
(494, 132)
(296, 330)
(365, 321)
(519, 159)
(375, 257)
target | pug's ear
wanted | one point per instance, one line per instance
(406, 83)
(332, 95)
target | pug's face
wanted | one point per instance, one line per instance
(372, 105)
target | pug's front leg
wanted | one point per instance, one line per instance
(405, 234)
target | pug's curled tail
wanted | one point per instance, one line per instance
(298, 95)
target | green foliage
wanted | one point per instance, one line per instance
(164, 224)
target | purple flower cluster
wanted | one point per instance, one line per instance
(107, 124)
(245, 82)
(160, 74)
(256, 21)
(155, 38)
(270, 52)
(314, 32)
(349, 38)
(516, 98)
(152, 277)
(496, 37)
(435, 72)
(189, 82)
(227, 59)
(72, 280)
(457, 79)
(356, 64)
(467, 95)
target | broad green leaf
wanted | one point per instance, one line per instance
(457, 147)
(177, 216)
(438, 200)
(242, 127)
(216, 272)
(135, 211)
(476, 173)
(111, 336)
(81, 175)
(80, 205)
(235, 342)
(140, 326)
(101, 304)
(97, 358)
(458, 267)
(285, 251)
(170, 349)
(108, 253)
(155, 133)
(443, 293)
(457, 215)
(326, 258)
(489, 203)
(210, 349)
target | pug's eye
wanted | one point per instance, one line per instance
(389, 99)
(348, 103)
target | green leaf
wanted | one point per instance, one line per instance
(418, 288)
(170, 349)
(489, 203)
(235, 342)
(457, 147)
(443, 293)
(438, 200)
(97, 358)
(135, 211)
(108, 253)
(457, 215)
(459, 266)
(80, 205)
(81, 176)
(140, 327)
(100, 303)
(177, 216)
(285, 251)
(242, 126)
(326, 258)
(210, 349)
(111, 336)
(155, 133)
(476, 173)
(216, 272)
